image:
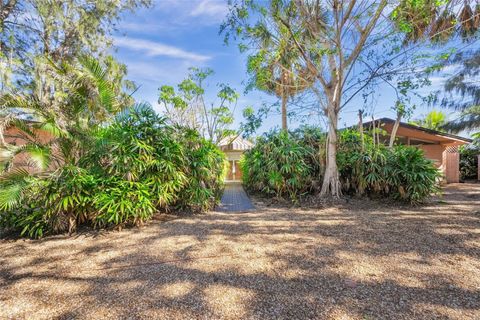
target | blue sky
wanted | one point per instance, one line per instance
(160, 43)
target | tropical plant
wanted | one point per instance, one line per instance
(187, 106)
(410, 176)
(402, 173)
(469, 164)
(434, 120)
(463, 83)
(205, 167)
(36, 206)
(335, 40)
(62, 129)
(288, 166)
(280, 165)
(134, 167)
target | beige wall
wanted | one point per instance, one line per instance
(233, 155)
(433, 152)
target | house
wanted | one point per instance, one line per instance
(440, 147)
(234, 147)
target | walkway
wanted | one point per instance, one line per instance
(235, 199)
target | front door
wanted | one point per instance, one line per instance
(234, 172)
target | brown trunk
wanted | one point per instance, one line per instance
(284, 103)
(394, 130)
(360, 128)
(284, 113)
(331, 180)
(373, 131)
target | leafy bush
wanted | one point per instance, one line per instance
(469, 161)
(291, 165)
(402, 173)
(54, 204)
(137, 165)
(280, 165)
(123, 202)
(205, 166)
(410, 176)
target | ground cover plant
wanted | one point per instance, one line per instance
(291, 165)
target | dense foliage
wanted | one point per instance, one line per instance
(291, 165)
(137, 166)
(469, 161)
(401, 173)
(280, 165)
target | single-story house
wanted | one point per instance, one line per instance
(440, 147)
(234, 147)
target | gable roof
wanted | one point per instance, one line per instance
(419, 128)
(231, 143)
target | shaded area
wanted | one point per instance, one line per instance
(235, 199)
(359, 261)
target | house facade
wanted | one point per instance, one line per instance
(440, 147)
(234, 147)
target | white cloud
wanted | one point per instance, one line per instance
(154, 49)
(210, 8)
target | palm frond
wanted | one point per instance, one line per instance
(12, 186)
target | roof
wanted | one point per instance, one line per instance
(232, 143)
(419, 128)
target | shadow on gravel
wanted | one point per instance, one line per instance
(360, 261)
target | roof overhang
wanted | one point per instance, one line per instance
(421, 133)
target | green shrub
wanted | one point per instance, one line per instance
(205, 166)
(410, 176)
(140, 147)
(469, 161)
(280, 165)
(123, 202)
(290, 166)
(136, 166)
(53, 204)
(402, 173)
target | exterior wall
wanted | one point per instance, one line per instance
(433, 152)
(440, 149)
(234, 172)
(233, 155)
(451, 166)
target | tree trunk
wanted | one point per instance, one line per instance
(360, 128)
(284, 103)
(331, 180)
(394, 130)
(284, 113)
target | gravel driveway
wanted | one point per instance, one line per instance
(357, 261)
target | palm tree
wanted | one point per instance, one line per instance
(464, 84)
(84, 99)
(434, 120)
(275, 67)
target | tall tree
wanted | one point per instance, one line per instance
(31, 30)
(274, 64)
(350, 46)
(464, 84)
(434, 120)
(87, 98)
(186, 106)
